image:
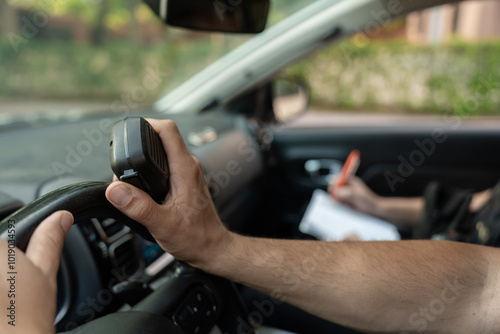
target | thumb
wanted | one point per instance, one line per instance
(134, 203)
(46, 244)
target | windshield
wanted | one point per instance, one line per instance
(78, 56)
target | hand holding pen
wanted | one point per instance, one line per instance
(350, 167)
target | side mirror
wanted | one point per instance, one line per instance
(290, 99)
(231, 16)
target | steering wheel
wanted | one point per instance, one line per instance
(189, 301)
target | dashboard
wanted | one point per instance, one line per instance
(105, 266)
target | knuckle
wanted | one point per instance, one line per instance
(196, 160)
(197, 163)
(170, 125)
(196, 168)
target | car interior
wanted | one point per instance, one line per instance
(254, 147)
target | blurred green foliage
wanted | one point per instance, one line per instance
(62, 70)
(113, 12)
(459, 77)
(394, 76)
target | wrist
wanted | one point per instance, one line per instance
(227, 257)
(217, 248)
(380, 207)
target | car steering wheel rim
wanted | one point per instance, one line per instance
(84, 200)
(87, 200)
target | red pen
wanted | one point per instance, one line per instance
(350, 167)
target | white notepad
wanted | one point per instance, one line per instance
(328, 220)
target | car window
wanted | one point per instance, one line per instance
(441, 60)
(81, 55)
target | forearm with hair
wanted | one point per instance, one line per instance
(371, 286)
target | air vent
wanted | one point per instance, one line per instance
(124, 258)
(109, 229)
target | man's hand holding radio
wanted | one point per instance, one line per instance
(186, 224)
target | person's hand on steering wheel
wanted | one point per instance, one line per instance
(29, 296)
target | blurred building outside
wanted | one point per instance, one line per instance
(467, 20)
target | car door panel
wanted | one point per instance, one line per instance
(395, 161)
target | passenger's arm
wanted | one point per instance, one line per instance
(479, 199)
(398, 210)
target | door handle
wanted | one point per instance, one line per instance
(322, 170)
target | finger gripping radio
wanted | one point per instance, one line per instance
(138, 157)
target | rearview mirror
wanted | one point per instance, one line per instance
(232, 16)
